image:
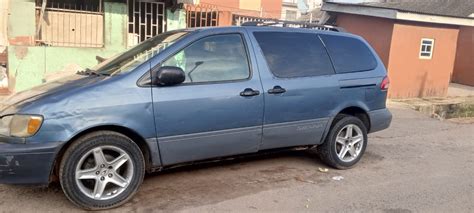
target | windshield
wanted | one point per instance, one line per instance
(128, 60)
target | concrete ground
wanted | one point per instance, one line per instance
(459, 90)
(420, 164)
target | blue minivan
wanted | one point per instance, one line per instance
(192, 95)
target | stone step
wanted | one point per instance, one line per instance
(443, 108)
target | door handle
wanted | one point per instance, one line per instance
(249, 92)
(276, 90)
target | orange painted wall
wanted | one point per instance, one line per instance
(250, 4)
(464, 64)
(377, 31)
(271, 8)
(398, 45)
(225, 18)
(414, 77)
(229, 4)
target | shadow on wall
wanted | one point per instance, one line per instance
(426, 90)
(421, 92)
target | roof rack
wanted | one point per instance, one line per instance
(294, 24)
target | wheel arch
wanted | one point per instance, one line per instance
(353, 110)
(134, 136)
(357, 112)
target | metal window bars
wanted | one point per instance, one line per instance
(77, 23)
(96, 6)
(294, 24)
(202, 15)
(238, 20)
(145, 20)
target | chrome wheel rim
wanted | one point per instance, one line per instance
(104, 172)
(349, 143)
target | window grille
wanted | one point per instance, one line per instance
(70, 23)
(202, 15)
(145, 20)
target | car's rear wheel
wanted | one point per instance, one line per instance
(101, 170)
(345, 144)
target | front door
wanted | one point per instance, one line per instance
(218, 110)
(300, 87)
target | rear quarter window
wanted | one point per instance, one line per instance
(349, 54)
(291, 55)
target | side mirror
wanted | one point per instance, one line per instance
(168, 76)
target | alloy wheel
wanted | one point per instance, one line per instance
(104, 172)
(349, 143)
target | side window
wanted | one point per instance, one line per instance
(426, 49)
(291, 55)
(212, 59)
(349, 54)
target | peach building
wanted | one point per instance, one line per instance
(230, 9)
(425, 45)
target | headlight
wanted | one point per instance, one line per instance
(20, 125)
(5, 125)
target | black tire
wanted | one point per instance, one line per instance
(327, 151)
(79, 148)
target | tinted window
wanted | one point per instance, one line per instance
(349, 54)
(294, 54)
(214, 58)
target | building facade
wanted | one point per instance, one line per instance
(47, 39)
(42, 40)
(293, 10)
(464, 64)
(423, 44)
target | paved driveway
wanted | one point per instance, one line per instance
(419, 164)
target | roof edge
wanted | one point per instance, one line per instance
(365, 10)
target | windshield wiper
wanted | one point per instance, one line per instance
(88, 71)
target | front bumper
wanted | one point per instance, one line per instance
(380, 120)
(26, 163)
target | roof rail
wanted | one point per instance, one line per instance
(294, 24)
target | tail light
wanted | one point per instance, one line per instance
(385, 83)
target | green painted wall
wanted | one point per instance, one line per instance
(176, 20)
(23, 12)
(32, 65)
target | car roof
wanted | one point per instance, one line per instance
(251, 29)
(271, 28)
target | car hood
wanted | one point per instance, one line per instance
(11, 104)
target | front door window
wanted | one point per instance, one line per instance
(213, 59)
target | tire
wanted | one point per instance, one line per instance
(332, 146)
(120, 169)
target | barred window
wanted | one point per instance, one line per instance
(70, 23)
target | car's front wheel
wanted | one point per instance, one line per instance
(101, 170)
(345, 144)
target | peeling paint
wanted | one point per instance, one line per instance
(22, 40)
(33, 65)
(21, 52)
